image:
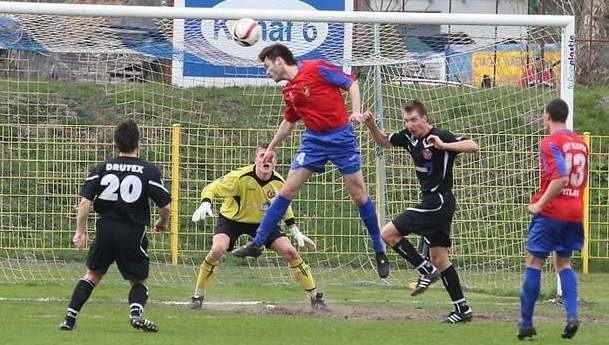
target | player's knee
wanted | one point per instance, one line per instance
(93, 276)
(289, 192)
(290, 189)
(289, 253)
(135, 282)
(217, 251)
(440, 263)
(435, 261)
(358, 194)
(360, 198)
(390, 235)
(562, 264)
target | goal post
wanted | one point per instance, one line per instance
(567, 56)
(70, 71)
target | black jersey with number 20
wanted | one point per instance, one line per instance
(120, 188)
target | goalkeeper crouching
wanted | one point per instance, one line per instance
(247, 193)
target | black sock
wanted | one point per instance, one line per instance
(137, 300)
(81, 294)
(408, 252)
(450, 278)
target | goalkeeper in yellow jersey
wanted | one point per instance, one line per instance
(247, 193)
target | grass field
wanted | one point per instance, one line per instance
(361, 313)
(371, 314)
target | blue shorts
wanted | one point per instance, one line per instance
(338, 146)
(548, 234)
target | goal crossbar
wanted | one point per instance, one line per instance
(284, 15)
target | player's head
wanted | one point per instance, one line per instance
(556, 111)
(415, 116)
(127, 137)
(277, 58)
(262, 167)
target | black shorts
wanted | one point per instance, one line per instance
(235, 229)
(431, 219)
(123, 242)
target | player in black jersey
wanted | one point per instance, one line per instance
(119, 189)
(433, 151)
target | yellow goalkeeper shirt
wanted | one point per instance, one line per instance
(246, 197)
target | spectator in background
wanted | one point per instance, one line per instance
(538, 73)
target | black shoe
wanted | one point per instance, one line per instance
(196, 302)
(66, 325)
(382, 265)
(425, 281)
(250, 249)
(457, 317)
(144, 324)
(318, 303)
(570, 328)
(526, 332)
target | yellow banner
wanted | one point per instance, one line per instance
(509, 67)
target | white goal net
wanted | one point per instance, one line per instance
(66, 80)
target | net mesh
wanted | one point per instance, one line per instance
(64, 81)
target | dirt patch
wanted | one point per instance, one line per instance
(352, 312)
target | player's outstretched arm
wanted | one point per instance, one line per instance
(466, 145)
(379, 136)
(80, 237)
(284, 129)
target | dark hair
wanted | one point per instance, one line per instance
(415, 105)
(277, 50)
(127, 136)
(558, 110)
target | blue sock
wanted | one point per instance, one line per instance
(368, 215)
(529, 294)
(568, 282)
(272, 216)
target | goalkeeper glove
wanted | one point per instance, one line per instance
(300, 238)
(202, 211)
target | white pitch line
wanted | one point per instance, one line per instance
(212, 303)
(39, 299)
(54, 299)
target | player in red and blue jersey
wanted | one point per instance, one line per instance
(313, 95)
(557, 223)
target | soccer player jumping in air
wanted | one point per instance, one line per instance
(313, 95)
(558, 214)
(433, 151)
